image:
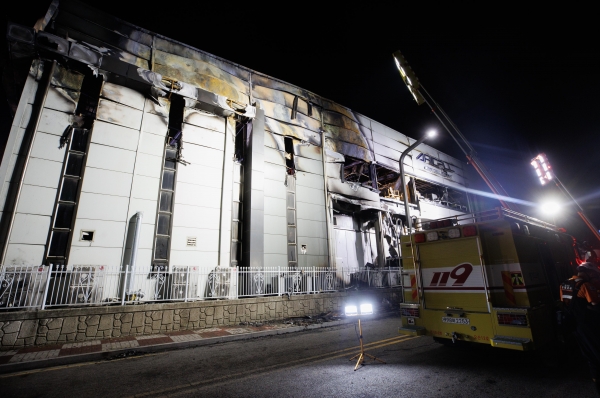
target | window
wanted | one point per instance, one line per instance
(164, 218)
(64, 211)
(291, 220)
(243, 128)
(290, 165)
(87, 236)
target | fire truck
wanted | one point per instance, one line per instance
(490, 277)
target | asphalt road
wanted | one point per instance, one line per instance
(316, 364)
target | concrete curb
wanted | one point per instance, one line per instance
(114, 355)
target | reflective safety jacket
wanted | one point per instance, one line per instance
(586, 291)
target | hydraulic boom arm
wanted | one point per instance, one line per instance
(422, 96)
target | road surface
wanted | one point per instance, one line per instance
(316, 364)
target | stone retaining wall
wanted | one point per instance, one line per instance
(52, 326)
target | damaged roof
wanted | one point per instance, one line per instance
(156, 65)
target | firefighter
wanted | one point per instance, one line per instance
(582, 304)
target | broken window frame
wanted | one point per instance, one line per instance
(362, 169)
(455, 199)
(290, 161)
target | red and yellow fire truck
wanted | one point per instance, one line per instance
(491, 277)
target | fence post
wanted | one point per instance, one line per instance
(187, 282)
(124, 285)
(47, 287)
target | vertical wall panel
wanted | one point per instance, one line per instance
(227, 193)
(145, 184)
(202, 186)
(42, 170)
(275, 221)
(15, 137)
(110, 179)
(254, 199)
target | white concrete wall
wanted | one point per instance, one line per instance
(110, 178)
(276, 242)
(227, 195)
(198, 192)
(311, 213)
(310, 203)
(27, 241)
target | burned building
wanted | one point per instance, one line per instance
(129, 147)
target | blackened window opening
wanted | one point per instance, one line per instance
(176, 113)
(88, 99)
(175, 133)
(241, 132)
(289, 155)
(359, 172)
(441, 196)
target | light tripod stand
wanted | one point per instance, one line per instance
(365, 309)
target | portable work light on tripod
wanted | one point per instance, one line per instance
(365, 309)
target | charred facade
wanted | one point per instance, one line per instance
(228, 166)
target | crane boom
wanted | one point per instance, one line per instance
(422, 96)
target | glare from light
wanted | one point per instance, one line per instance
(351, 310)
(542, 168)
(550, 208)
(366, 309)
(431, 133)
(408, 80)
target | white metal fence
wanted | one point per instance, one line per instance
(40, 287)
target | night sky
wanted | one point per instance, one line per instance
(516, 81)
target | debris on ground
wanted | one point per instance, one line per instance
(126, 354)
(311, 320)
(257, 323)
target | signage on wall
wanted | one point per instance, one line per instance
(435, 165)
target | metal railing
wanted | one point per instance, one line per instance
(40, 287)
(483, 216)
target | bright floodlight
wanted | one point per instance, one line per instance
(550, 208)
(431, 133)
(366, 309)
(542, 168)
(409, 77)
(351, 310)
